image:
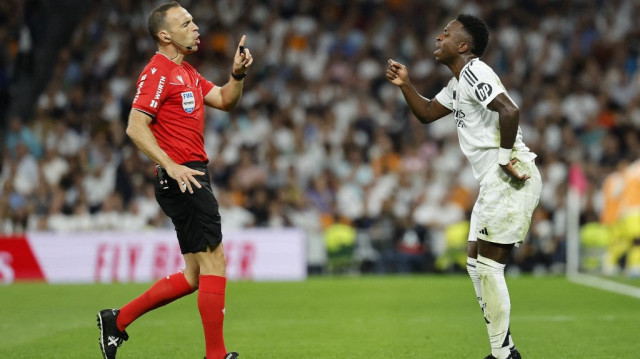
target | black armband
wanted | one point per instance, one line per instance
(238, 77)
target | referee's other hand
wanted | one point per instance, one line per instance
(184, 176)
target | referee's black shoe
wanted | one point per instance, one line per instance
(231, 355)
(110, 336)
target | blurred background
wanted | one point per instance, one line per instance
(320, 140)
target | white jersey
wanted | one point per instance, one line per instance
(479, 127)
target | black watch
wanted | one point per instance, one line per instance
(238, 77)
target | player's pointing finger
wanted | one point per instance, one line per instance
(244, 37)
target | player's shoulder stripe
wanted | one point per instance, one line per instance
(470, 78)
(468, 75)
(469, 72)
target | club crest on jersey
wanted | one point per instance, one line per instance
(188, 101)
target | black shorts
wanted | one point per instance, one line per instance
(195, 216)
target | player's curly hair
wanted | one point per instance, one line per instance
(478, 30)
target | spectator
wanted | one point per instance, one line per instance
(19, 133)
(318, 120)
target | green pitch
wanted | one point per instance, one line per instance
(368, 317)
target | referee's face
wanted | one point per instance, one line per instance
(183, 30)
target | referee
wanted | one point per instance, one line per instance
(167, 124)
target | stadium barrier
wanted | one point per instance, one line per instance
(105, 257)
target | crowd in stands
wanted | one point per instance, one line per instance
(320, 139)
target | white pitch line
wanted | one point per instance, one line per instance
(604, 284)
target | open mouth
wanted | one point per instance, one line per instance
(438, 47)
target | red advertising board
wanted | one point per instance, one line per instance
(17, 261)
(105, 257)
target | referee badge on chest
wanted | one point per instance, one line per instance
(188, 101)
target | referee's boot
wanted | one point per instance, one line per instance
(110, 336)
(231, 355)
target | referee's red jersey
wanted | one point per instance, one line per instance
(173, 95)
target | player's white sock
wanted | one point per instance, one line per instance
(497, 304)
(472, 269)
(473, 273)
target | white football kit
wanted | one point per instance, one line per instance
(502, 213)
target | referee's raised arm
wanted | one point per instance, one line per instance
(226, 98)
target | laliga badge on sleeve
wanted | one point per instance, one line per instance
(188, 101)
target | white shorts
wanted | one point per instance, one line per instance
(502, 213)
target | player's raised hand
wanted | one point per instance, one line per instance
(243, 59)
(511, 171)
(397, 73)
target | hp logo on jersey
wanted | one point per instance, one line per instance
(188, 101)
(483, 91)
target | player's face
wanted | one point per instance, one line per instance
(448, 42)
(182, 28)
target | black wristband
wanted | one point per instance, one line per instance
(238, 77)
